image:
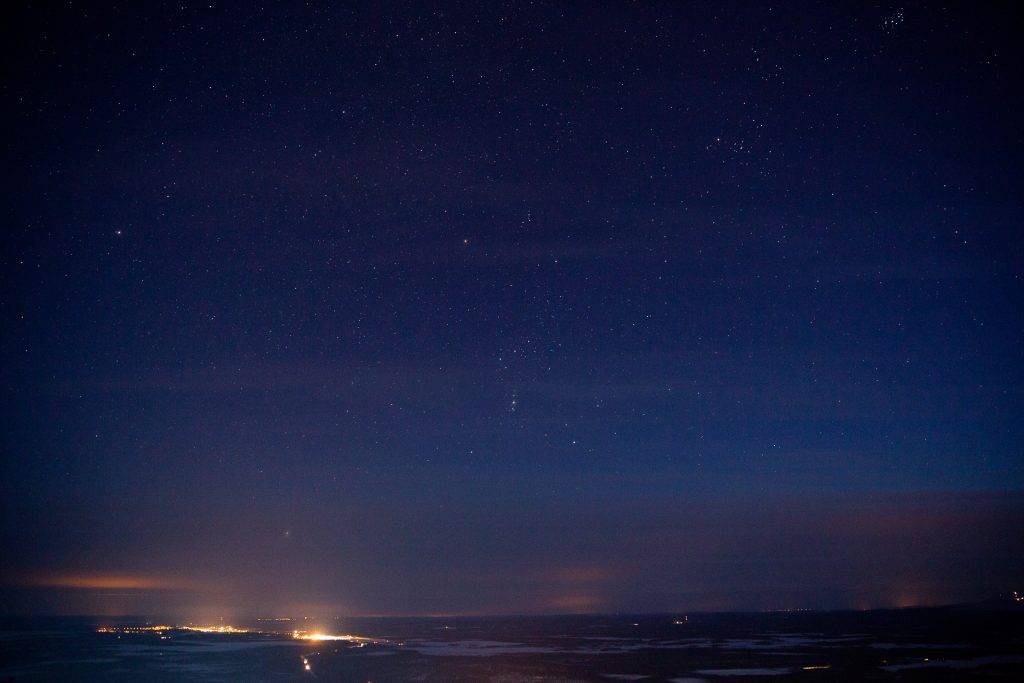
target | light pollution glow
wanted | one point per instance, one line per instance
(312, 636)
(105, 582)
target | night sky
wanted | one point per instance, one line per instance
(510, 308)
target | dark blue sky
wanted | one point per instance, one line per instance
(511, 308)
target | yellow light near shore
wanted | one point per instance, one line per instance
(317, 636)
(302, 635)
(325, 636)
(214, 629)
(312, 636)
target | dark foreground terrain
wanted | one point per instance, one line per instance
(940, 644)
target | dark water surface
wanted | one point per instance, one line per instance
(945, 644)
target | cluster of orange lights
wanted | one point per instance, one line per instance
(160, 628)
(313, 636)
(215, 629)
(316, 636)
(134, 629)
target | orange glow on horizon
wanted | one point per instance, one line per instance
(576, 603)
(105, 582)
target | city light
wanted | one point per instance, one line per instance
(215, 629)
(134, 629)
(317, 636)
